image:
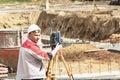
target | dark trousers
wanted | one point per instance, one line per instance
(33, 79)
(37, 79)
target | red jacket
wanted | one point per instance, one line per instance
(30, 62)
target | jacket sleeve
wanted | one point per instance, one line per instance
(35, 50)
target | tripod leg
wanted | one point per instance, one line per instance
(66, 66)
(49, 69)
(54, 67)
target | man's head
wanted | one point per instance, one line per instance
(34, 33)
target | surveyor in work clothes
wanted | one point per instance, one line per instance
(30, 63)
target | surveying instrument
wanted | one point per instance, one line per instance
(55, 38)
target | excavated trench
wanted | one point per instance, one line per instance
(75, 25)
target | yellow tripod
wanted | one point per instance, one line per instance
(52, 65)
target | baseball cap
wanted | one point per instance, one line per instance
(33, 27)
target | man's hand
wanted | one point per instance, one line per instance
(57, 48)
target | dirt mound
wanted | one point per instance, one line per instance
(17, 20)
(86, 58)
(76, 48)
(75, 25)
(81, 52)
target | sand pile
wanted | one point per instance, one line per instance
(85, 58)
(81, 52)
(17, 20)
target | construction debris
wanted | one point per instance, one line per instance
(3, 71)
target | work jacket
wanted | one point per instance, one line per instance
(30, 62)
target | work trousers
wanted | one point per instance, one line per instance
(33, 79)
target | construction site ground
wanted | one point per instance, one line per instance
(81, 58)
(85, 61)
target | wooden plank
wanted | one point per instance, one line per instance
(94, 50)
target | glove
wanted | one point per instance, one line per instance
(50, 55)
(58, 47)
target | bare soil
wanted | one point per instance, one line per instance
(86, 58)
(85, 21)
(80, 52)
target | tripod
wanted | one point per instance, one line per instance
(52, 65)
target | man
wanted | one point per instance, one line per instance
(30, 62)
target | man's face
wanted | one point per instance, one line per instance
(34, 36)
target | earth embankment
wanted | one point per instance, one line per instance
(80, 21)
(83, 25)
